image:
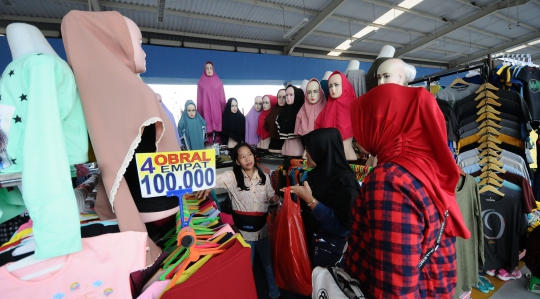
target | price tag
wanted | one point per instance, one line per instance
(162, 172)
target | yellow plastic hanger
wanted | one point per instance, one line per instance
(489, 138)
(487, 108)
(490, 174)
(486, 160)
(459, 81)
(486, 94)
(492, 167)
(487, 115)
(490, 188)
(486, 86)
(488, 130)
(490, 123)
(490, 181)
(489, 101)
(490, 145)
(489, 152)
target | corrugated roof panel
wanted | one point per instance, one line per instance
(361, 10)
(42, 9)
(339, 27)
(317, 5)
(322, 41)
(527, 13)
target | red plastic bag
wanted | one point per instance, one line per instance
(292, 267)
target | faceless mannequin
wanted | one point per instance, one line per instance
(191, 111)
(353, 65)
(136, 40)
(282, 101)
(392, 71)
(326, 75)
(304, 84)
(336, 90)
(266, 106)
(387, 51)
(259, 103)
(24, 39)
(234, 109)
(209, 69)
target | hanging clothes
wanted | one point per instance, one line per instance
(286, 120)
(357, 78)
(261, 128)
(252, 124)
(306, 117)
(336, 113)
(211, 100)
(192, 130)
(234, 124)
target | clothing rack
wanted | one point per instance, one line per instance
(484, 70)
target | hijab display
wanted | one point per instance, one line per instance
(269, 102)
(270, 125)
(286, 122)
(43, 125)
(234, 124)
(192, 128)
(252, 122)
(122, 115)
(405, 126)
(314, 103)
(386, 53)
(336, 113)
(211, 99)
(332, 173)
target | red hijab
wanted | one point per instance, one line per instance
(260, 129)
(405, 126)
(336, 113)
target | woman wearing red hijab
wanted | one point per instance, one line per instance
(402, 204)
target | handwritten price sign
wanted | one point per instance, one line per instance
(162, 172)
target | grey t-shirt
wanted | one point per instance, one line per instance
(357, 78)
(453, 94)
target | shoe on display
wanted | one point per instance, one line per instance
(481, 287)
(505, 276)
(491, 272)
(487, 283)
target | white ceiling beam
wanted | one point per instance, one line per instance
(313, 24)
(460, 24)
(505, 46)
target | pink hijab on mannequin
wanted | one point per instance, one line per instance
(305, 120)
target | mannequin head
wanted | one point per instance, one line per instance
(282, 98)
(25, 39)
(209, 69)
(392, 71)
(312, 91)
(191, 111)
(334, 86)
(289, 93)
(234, 106)
(258, 103)
(136, 40)
(266, 103)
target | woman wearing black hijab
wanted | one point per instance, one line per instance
(327, 195)
(233, 123)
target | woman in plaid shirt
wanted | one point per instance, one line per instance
(402, 203)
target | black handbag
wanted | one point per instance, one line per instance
(326, 249)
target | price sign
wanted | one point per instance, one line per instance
(162, 172)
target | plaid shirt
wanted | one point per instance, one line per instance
(395, 224)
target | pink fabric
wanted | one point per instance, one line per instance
(305, 120)
(261, 131)
(211, 100)
(337, 114)
(155, 290)
(100, 270)
(28, 224)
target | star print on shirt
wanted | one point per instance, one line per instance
(11, 73)
(23, 97)
(13, 161)
(40, 54)
(18, 119)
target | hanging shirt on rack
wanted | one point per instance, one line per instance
(530, 76)
(456, 93)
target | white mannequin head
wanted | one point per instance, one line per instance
(289, 93)
(234, 106)
(353, 65)
(410, 73)
(209, 69)
(266, 103)
(392, 71)
(25, 39)
(191, 111)
(312, 91)
(304, 84)
(326, 75)
(387, 51)
(258, 103)
(334, 86)
(282, 98)
(136, 40)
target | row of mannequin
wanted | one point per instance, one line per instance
(53, 109)
(275, 123)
